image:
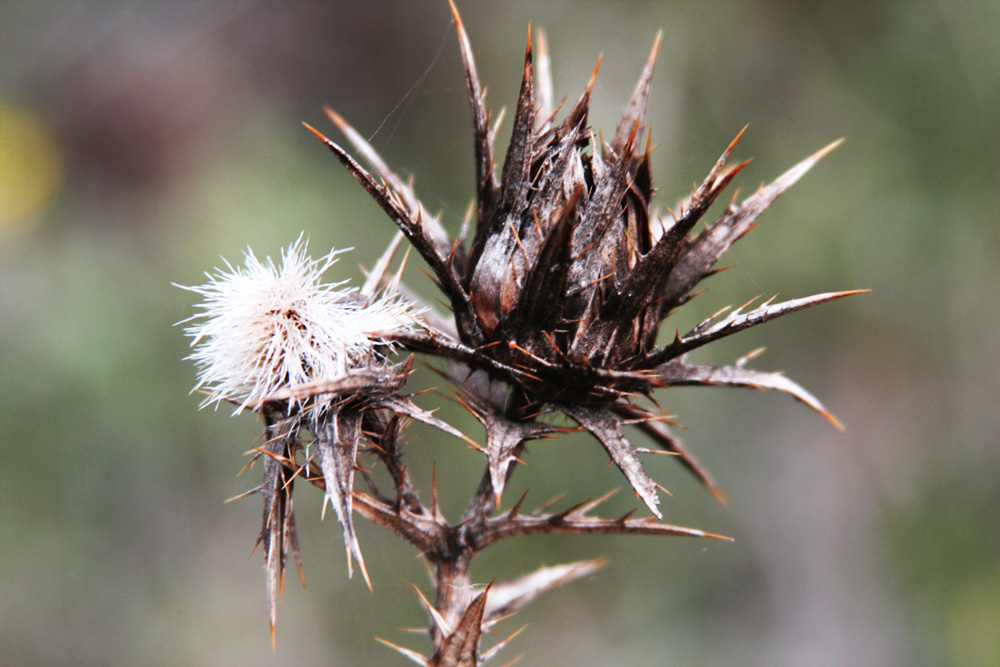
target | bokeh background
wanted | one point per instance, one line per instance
(140, 142)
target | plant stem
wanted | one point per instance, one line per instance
(454, 593)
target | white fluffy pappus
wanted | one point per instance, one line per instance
(264, 327)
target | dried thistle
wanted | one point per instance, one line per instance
(569, 277)
(557, 302)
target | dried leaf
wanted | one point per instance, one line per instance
(337, 441)
(705, 250)
(575, 520)
(480, 120)
(656, 429)
(402, 189)
(403, 405)
(635, 113)
(461, 648)
(504, 439)
(738, 321)
(372, 381)
(678, 373)
(506, 598)
(606, 428)
(278, 530)
(414, 229)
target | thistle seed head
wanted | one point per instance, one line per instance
(264, 327)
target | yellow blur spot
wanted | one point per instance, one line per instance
(31, 170)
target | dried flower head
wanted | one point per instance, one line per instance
(265, 328)
(569, 276)
(557, 304)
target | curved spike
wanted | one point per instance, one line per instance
(738, 321)
(636, 111)
(544, 63)
(676, 373)
(605, 427)
(395, 183)
(480, 119)
(704, 251)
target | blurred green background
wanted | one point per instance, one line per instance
(142, 141)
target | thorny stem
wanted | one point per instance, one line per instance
(457, 616)
(445, 546)
(454, 592)
(484, 501)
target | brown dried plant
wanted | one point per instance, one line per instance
(557, 301)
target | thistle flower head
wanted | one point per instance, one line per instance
(265, 327)
(557, 302)
(569, 275)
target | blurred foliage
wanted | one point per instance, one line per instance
(139, 142)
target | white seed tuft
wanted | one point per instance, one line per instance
(263, 327)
